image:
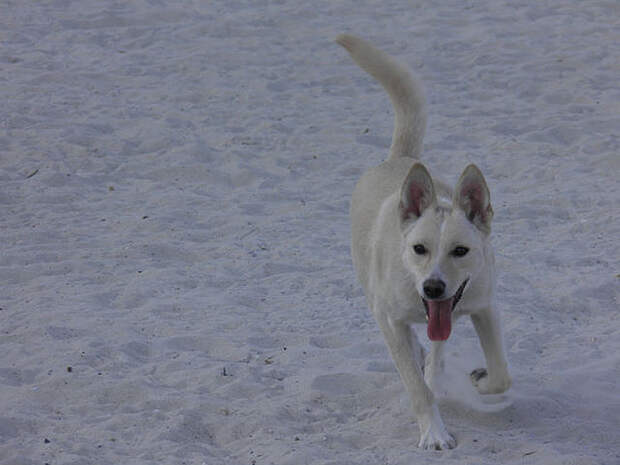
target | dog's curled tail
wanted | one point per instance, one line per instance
(404, 91)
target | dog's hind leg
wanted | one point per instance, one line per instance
(406, 353)
(495, 379)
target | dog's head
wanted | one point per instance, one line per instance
(444, 245)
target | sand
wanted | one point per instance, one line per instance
(174, 187)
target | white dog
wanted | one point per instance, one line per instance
(422, 253)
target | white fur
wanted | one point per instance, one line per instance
(397, 205)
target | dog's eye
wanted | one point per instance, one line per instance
(460, 251)
(419, 249)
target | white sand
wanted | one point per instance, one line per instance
(174, 187)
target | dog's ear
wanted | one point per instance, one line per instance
(416, 194)
(472, 196)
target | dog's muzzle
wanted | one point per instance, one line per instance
(439, 314)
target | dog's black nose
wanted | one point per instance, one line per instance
(434, 288)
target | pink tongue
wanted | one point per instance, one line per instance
(439, 319)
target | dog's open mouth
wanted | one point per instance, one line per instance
(439, 315)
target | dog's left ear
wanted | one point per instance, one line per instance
(472, 196)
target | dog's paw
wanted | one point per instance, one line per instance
(478, 374)
(437, 439)
(433, 433)
(480, 380)
(485, 385)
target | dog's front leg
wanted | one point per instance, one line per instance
(406, 353)
(495, 379)
(434, 365)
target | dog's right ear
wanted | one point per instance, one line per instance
(416, 194)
